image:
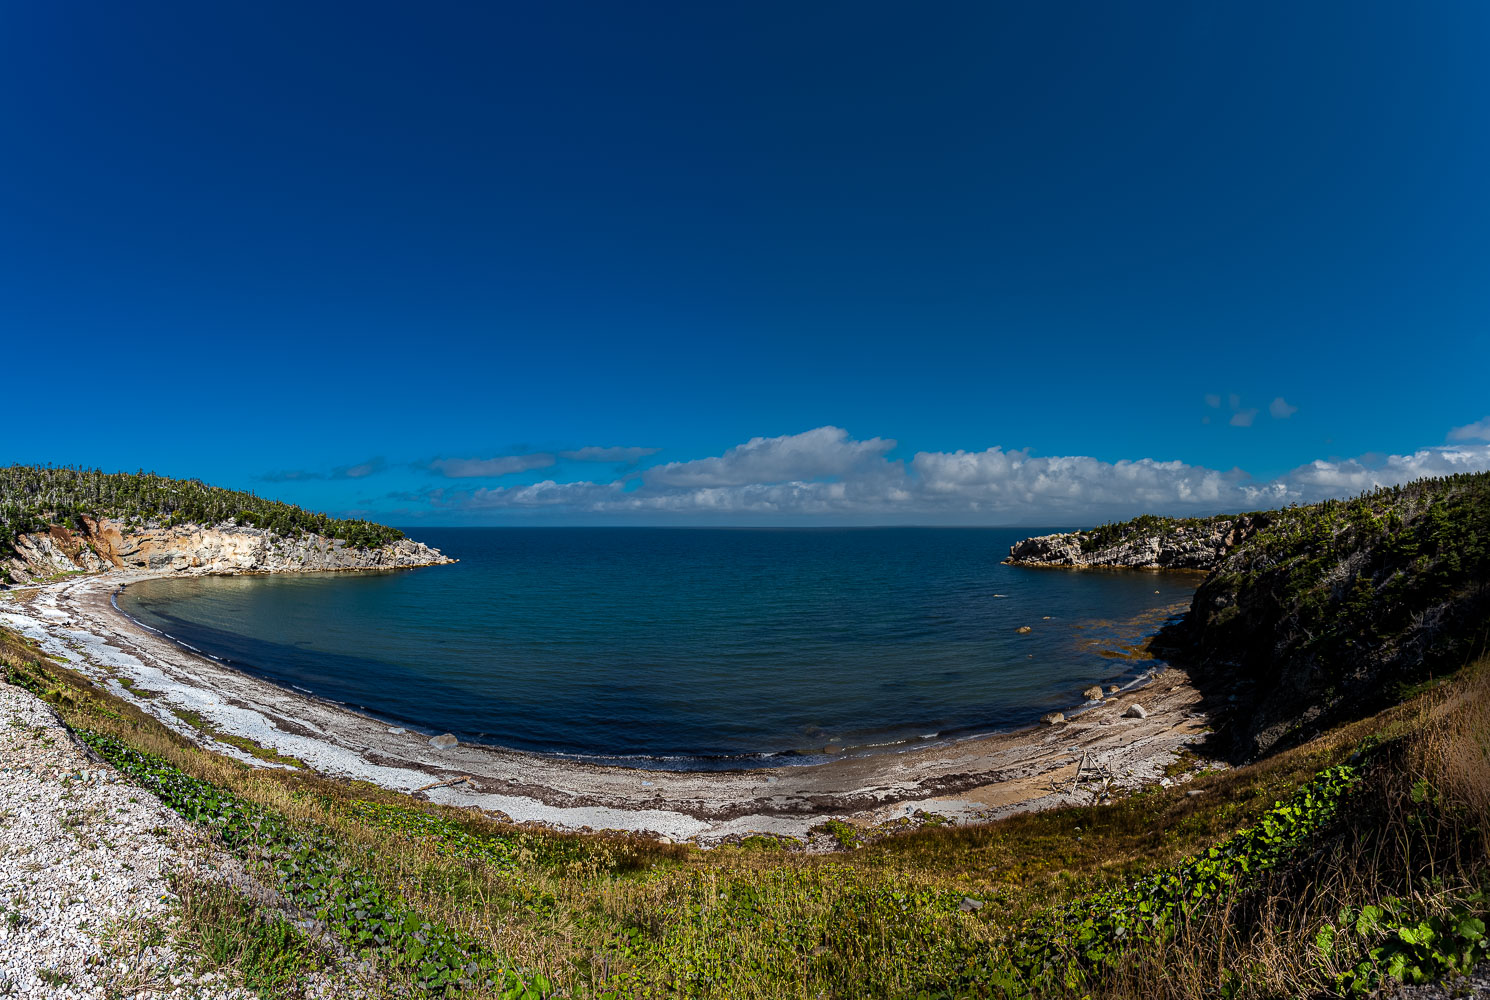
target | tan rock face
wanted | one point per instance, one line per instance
(195, 550)
(44, 554)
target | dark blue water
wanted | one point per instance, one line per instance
(683, 647)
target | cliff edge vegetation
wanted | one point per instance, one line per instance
(1147, 542)
(1314, 614)
(1334, 610)
(59, 520)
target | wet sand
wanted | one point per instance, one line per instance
(970, 780)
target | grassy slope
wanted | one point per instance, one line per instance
(585, 916)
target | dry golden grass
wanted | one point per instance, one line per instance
(597, 913)
(1263, 944)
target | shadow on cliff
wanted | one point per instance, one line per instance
(1336, 610)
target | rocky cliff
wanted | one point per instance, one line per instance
(197, 550)
(1314, 615)
(1143, 543)
(1335, 609)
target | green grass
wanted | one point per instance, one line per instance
(200, 723)
(69, 574)
(54, 978)
(310, 868)
(224, 930)
(135, 689)
(441, 898)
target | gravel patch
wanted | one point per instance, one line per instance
(1476, 984)
(85, 860)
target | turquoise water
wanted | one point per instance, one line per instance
(683, 647)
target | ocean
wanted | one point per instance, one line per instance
(685, 648)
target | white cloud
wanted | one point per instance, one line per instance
(1213, 401)
(501, 465)
(1000, 480)
(815, 454)
(1243, 418)
(1280, 409)
(625, 456)
(1318, 480)
(1477, 431)
(1235, 401)
(824, 473)
(359, 471)
(545, 494)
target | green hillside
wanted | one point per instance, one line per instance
(33, 497)
(1335, 609)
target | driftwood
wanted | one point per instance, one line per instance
(448, 781)
(1077, 777)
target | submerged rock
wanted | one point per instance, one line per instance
(1093, 693)
(444, 741)
(1024, 629)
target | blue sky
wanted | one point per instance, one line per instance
(419, 262)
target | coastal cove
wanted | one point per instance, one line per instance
(268, 725)
(573, 504)
(1136, 808)
(685, 650)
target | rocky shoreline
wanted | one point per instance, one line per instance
(196, 550)
(1157, 543)
(1097, 749)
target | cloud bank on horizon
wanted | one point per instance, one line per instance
(361, 470)
(826, 474)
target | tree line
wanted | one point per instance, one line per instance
(34, 497)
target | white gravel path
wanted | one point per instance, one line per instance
(1475, 986)
(84, 873)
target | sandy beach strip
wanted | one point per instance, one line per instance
(1098, 750)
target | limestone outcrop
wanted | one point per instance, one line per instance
(45, 554)
(197, 550)
(1152, 543)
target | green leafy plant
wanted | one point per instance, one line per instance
(1065, 947)
(1397, 939)
(363, 914)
